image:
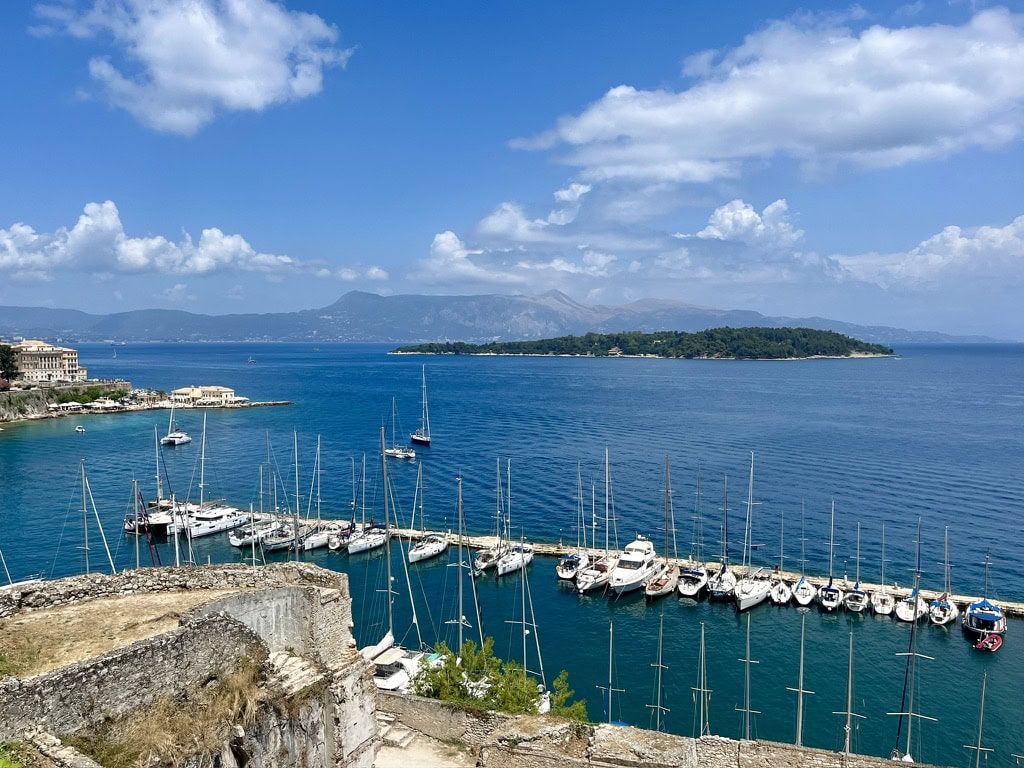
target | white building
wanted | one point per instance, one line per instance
(38, 362)
(206, 396)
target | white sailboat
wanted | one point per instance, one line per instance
(372, 537)
(803, 591)
(694, 577)
(396, 451)
(430, 544)
(573, 562)
(599, 572)
(830, 596)
(943, 610)
(753, 588)
(518, 555)
(422, 435)
(174, 435)
(210, 517)
(856, 599)
(882, 603)
(722, 583)
(488, 557)
(913, 607)
(667, 579)
(529, 624)
(319, 534)
(781, 593)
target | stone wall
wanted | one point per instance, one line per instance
(294, 618)
(502, 741)
(19, 404)
(80, 695)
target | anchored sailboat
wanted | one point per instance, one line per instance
(856, 599)
(422, 435)
(803, 591)
(753, 588)
(573, 562)
(882, 602)
(396, 451)
(722, 583)
(665, 582)
(694, 577)
(944, 610)
(830, 596)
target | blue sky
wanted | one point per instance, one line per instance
(861, 162)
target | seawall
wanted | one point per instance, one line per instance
(21, 404)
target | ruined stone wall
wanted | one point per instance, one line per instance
(79, 695)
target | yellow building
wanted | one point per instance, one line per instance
(39, 362)
(206, 396)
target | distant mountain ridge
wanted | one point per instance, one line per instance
(360, 316)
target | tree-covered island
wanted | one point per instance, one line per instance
(714, 343)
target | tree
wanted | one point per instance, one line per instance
(8, 362)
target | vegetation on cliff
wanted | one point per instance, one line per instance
(8, 362)
(731, 343)
(477, 679)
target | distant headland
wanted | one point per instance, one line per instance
(712, 344)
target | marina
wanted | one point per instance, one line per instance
(867, 438)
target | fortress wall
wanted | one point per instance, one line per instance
(47, 594)
(76, 696)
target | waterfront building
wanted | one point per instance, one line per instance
(40, 362)
(206, 395)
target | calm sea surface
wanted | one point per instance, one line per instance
(936, 435)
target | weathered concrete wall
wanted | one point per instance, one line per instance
(16, 405)
(80, 695)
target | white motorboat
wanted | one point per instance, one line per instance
(882, 603)
(636, 566)
(830, 597)
(943, 610)
(754, 587)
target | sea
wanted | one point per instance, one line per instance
(933, 437)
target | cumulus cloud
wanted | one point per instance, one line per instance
(98, 243)
(452, 262)
(986, 254)
(177, 64)
(812, 90)
(739, 221)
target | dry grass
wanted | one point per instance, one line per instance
(33, 642)
(175, 728)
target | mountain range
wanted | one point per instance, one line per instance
(360, 316)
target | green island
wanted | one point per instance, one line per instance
(714, 343)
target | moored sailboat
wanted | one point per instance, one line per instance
(913, 607)
(781, 592)
(856, 599)
(430, 544)
(803, 591)
(573, 562)
(422, 435)
(983, 618)
(396, 451)
(694, 577)
(943, 610)
(665, 581)
(882, 603)
(753, 588)
(830, 596)
(722, 583)
(599, 572)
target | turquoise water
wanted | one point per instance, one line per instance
(934, 434)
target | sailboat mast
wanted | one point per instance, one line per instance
(747, 711)
(701, 691)
(657, 705)
(295, 512)
(85, 519)
(831, 535)
(799, 690)
(425, 415)
(462, 619)
(159, 481)
(850, 714)
(978, 749)
(387, 537)
(607, 505)
(748, 533)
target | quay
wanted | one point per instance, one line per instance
(1010, 608)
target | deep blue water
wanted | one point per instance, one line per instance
(934, 434)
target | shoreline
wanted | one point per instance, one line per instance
(851, 356)
(134, 408)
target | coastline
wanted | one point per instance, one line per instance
(852, 355)
(134, 408)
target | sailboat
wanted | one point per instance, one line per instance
(830, 596)
(752, 589)
(983, 618)
(174, 435)
(901, 752)
(520, 555)
(781, 592)
(849, 713)
(803, 591)
(745, 709)
(397, 451)
(599, 573)
(978, 749)
(87, 499)
(530, 626)
(694, 577)
(722, 583)
(422, 435)
(913, 607)
(701, 693)
(210, 517)
(944, 610)
(573, 562)
(488, 557)
(665, 582)
(430, 544)
(882, 603)
(372, 537)
(319, 534)
(395, 667)
(610, 689)
(856, 599)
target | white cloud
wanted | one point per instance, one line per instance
(176, 293)
(987, 254)
(739, 221)
(811, 90)
(591, 264)
(177, 64)
(97, 243)
(450, 262)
